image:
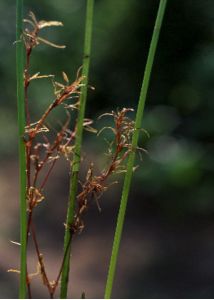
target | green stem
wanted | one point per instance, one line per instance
(130, 164)
(78, 144)
(22, 155)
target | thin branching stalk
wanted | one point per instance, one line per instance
(78, 143)
(22, 155)
(130, 164)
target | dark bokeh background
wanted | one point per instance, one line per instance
(167, 249)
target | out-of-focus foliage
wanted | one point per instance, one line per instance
(175, 178)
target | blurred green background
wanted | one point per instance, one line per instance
(168, 243)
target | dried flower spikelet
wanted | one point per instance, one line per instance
(13, 271)
(52, 158)
(34, 197)
(68, 90)
(67, 151)
(74, 106)
(33, 129)
(38, 76)
(43, 24)
(15, 243)
(31, 36)
(65, 77)
(87, 126)
(36, 273)
(44, 41)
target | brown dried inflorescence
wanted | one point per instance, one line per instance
(95, 185)
(43, 151)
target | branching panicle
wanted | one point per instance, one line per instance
(43, 150)
(95, 185)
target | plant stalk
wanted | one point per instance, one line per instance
(131, 159)
(78, 144)
(22, 154)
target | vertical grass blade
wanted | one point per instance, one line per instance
(130, 164)
(78, 144)
(22, 159)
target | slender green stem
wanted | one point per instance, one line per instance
(78, 144)
(22, 156)
(130, 164)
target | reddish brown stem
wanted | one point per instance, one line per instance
(29, 289)
(40, 259)
(47, 175)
